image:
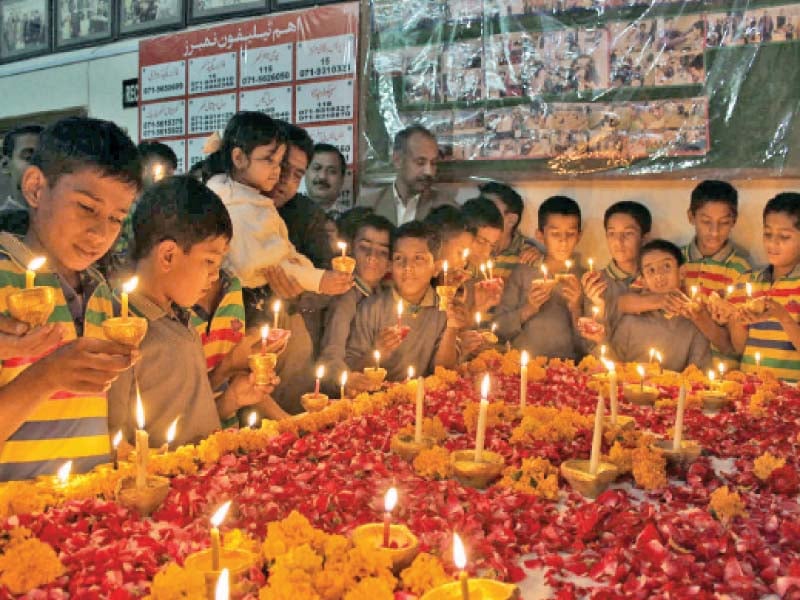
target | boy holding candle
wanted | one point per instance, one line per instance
(456, 243)
(83, 178)
(485, 222)
(181, 234)
(427, 337)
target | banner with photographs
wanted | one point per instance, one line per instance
(24, 28)
(81, 22)
(299, 67)
(566, 87)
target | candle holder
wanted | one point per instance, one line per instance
(262, 365)
(714, 400)
(129, 331)
(376, 375)
(488, 336)
(403, 545)
(33, 305)
(474, 474)
(688, 452)
(403, 331)
(589, 325)
(344, 264)
(314, 402)
(576, 472)
(483, 589)
(756, 305)
(146, 499)
(548, 283)
(238, 562)
(407, 448)
(446, 294)
(641, 395)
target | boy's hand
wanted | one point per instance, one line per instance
(596, 333)
(237, 358)
(488, 296)
(594, 286)
(471, 343)
(358, 382)
(571, 292)
(457, 317)
(529, 255)
(17, 339)
(673, 302)
(537, 296)
(243, 391)
(282, 285)
(773, 310)
(335, 283)
(389, 340)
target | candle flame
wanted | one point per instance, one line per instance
(342, 246)
(173, 427)
(377, 356)
(221, 592)
(494, 327)
(117, 439)
(603, 350)
(465, 254)
(544, 270)
(721, 369)
(694, 291)
(139, 409)
(399, 308)
(219, 516)
(749, 288)
(640, 371)
(264, 332)
(343, 378)
(36, 263)
(390, 500)
(444, 266)
(459, 554)
(130, 285)
(483, 268)
(276, 306)
(158, 172)
(610, 366)
(711, 375)
(652, 353)
(251, 420)
(568, 264)
(64, 471)
(595, 311)
(490, 264)
(478, 318)
(758, 357)
(485, 387)
(729, 289)
(411, 372)
(591, 264)
(659, 358)
(523, 358)
(320, 372)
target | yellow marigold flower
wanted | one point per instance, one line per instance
(182, 461)
(424, 574)
(293, 531)
(765, 464)
(431, 427)
(622, 457)
(370, 588)
(649, 468)
(534, 476)
(433, 463)
(28, 563)
(175, 583)
(589, 364)
(755, 406)
(726, 505)
(549, 424)
(496, 413)
(21, 497)
(236, 539)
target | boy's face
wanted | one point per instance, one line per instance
(293, 170)
(452, 251)
(781, 240)
(324, 178)
(412, 267)
(371, 251)
(510, 219)
(713, 223)
(260, 170)
(79, 218)
(560, 236)
(191, 274)
(20, 159)
(624, 238)
(483, 245)
(661, 272)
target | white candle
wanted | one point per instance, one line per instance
(115, 446)
(410, 374)
(523, 379)
(320, 374)
(677, 437)
(216, 521)
(712, 379)
(597, 437)
(377, 356)
(749, 289)
(758, 359)
(142, 444)
(342, 383)
(444, 270)
(490, 266)
(276, 309)
(127, 288)
(30, 273)
(612, 391)
(343, 247)
(221, 592)
(478, 320)
(420, 410)
(721, 369)
(480, 434)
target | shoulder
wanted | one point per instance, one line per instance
(372, 196)
(739, 260)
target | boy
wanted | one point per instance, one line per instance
(456, 243)
(83, 178)
(19, 145)
(775, 333)
(534, 314)
(372, 249)
(485, 222)
(181, 233)
(431, 336)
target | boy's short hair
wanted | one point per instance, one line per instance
(76, 143)
(10, 138)
(180, 209)
(713, 190)
(448, 220)
(660, 245)
(510, 197)
(330, 148)
(420, 231)
(558, 205)
(349, 221)
(481, 212)
(379, 223)
(785, 202)
(637, 211)
(148, 150)
(298, 137)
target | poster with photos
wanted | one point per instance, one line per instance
(24, 28)
(139, 16)
(82, 21)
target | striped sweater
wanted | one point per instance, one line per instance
(221, 331)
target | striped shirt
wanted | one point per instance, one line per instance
(505, 261)
(222, 330)
(768, 337)
(66, 426)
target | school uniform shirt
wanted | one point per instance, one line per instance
(505, 262)
(172, 377)
(618, 283)
(550, 332)
(221, 331)
(417, 350)
(67, 426)
(768, 337)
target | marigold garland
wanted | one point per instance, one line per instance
(424, 574)
(536, 476)
(433, 463)
(176, 583)
(549, 424)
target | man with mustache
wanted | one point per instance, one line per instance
(415, 156)
(325, 176)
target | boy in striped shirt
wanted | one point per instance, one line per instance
(774, 333)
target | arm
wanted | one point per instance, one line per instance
(446, 354)
(635, 304)
(716, 334)
(512, 311)
(738, 335)
(362, 338)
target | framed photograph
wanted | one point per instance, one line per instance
(282, 5)
(205, 10)
(139, 16)
(79, 22)
(24, 28)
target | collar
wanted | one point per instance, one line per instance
(153, 312)
(518, 243)
(428, 300)
(617, 274)
(765, 274)
(723, 254)
(362, 287)
(398, 199)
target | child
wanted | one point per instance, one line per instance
(774, 333)
(534, 314)
(430, 337)
(53, 407)
(456, 243)
(181, 233)
(249, 166)
(678, 339)
(372, 249)
(485, 222)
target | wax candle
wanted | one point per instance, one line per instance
(591, 264)
(712, 379)
(460, 561)
(465, 255)
(342, 383)
(544, 272)
(142, 444)
(721, 369)
(749, 289)
(127, 288)
(652, 354)
(567, 265)
(612, 391)
(478, 319)
(595, 312)
(216, 521)
(377, 356)
(399, 314)
(640, 370)
(264, 336)
(659, 360)
(171, 431)
(444, 271)
(490, 266)
(222, 591)
(389, 501)
(63, 473)
(276, 309)
(30, 273)
(677, 436)
(603, 350)
(523, 379)
(419, 410)
(251, 419)
(343, 247)
(694, 291)
(729, 291)
(115, 445)
(480, 434)
(597, 437)
(320, 374)
(483, 270)
(410, 374)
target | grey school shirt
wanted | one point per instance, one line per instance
(550, 332)
(173, 382)
(418, 349)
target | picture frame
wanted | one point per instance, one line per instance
(25, 29)
(284, 5)
(82, 22)
(201, 11)
(136, 17)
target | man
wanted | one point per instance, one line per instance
(415, 156)
(325, 176)
(18, 147)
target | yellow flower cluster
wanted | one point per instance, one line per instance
(433, 463)
(176, 583)
(181, 462)
(649, 468)
(483, 362)
(370, 588)
(441, 379)
(431, 428)
(549, 424)
(726, 505)
(623, 443)
(424, 574)
(765, 464)
(535, 476)
(27, 563)
(756, 405)
(496, 413)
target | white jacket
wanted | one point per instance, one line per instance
(260, 237)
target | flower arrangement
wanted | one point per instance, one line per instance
(27, 563)
(726, 505)
(550, 424)
(535, 476)
(433, 463)
(424, 574)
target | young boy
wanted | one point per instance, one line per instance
(485, 222)
(456, 243)
(372, 249)
(83, 178)
(181, 233)
(430, 339)
(533, 314)
(775, 333)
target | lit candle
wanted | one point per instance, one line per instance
(216, 521)
(544, 272)
(142, 444)
(63, 473)
(377, 356)
(523, 379)
(677, 437)
(749, 289)
(115, 444)
(490, 266)
(729, 291)
(222, 590)
(595, 312)
(597, 436)
(483, 270)
(659, 360)
(612, 391)
(342, 383)
(444, 270)
(419, 410)
(409, 374)
(343, 247)
(478, 320)
(712, 379)
(480, 434)
(320, 374)
(465, 255)
(652, 354)
(276, 309)
(158, 172)
(758, 359)
(127, 288)
(694, 291)
(251, 419)
(567, 265)
(389, 502)
(30, 273)
(603, 350)
(171, 431)
(721, 369)
(399, 314)
(460, 561)
(640, 370)
(264, 336)
(591, 264)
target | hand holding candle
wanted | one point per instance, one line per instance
(216, 521)
(30, 273)
(480, 434)
(389, 502)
